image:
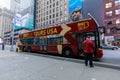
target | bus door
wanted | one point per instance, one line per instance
(80, 39)
(43, 44)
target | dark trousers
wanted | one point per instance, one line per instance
(88, 57)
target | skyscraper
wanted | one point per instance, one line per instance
(5, 4)
(51, 12)
(6, 17)
(15, 6)
(55, 12)
(27, 13)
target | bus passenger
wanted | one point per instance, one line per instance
(88, 49)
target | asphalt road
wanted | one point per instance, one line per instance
(22, 66)
(109, 56)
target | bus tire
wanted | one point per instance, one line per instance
(67, 52)
(29, 49)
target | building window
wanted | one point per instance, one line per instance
(61, 20)
(109, 22)
(65, 12)
(117, 11)
(56, 14)
(57, 3)
(117, 2)
(108, 5)
(65, 6)
(117, 21)
(65, 18)
(53, 15)
(108, 31)
(109, 13)
(118, 30)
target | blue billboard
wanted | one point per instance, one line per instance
(75, 10)
(25, 18)
(16, 23)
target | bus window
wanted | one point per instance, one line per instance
(36, 41)
(59, 40)
(41, 41)
(65, 41)
(49, 41)
(29, 41)
(45, 41)
(52, 41)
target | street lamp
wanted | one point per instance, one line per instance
(12, 38)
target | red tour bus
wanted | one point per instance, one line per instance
(65, 39)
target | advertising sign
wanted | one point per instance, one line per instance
(75, 10)
(25, 18)
(16, 24)
(27, 21)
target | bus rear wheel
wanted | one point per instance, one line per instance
(67, 52)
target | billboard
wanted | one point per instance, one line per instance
(16, 23)
(27, 21)
(25, 18)
(75, 10)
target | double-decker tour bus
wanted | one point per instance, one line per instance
(64, 39)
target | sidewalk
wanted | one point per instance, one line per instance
(18, 66)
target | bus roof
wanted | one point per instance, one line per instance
(63, 29)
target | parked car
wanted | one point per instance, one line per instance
(107, 46)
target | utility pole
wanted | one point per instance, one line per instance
(12, 36)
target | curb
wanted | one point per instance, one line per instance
(99, 64)
(107, 65)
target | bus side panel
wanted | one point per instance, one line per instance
(73, 44)
(52, 49)
(35, 48)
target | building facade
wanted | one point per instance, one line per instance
(112, 21)
(15, 6)
(27, 13)
(50, 13)
(6, 17)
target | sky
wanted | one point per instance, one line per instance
(5, 3)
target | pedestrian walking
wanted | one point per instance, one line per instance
(88, 48)
(2, 46)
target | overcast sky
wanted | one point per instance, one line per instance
(5, 3)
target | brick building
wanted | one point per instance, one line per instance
(112, 21)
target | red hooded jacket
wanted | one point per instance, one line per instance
(88, 46)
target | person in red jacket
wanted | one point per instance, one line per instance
(88, 48)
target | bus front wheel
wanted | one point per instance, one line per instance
(67, 52)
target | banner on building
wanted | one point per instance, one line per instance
(75, 10)
(16, 23)
(25, 18)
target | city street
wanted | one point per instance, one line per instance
(22, 66)
(109, 56)
(59, 39)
